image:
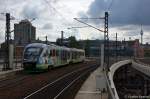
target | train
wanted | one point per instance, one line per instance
(39, 57)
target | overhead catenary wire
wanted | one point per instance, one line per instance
(88, 24)
(54, 9)
(93, 18)
(77, 27)
(110, 5)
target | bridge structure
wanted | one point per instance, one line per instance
(127, 79)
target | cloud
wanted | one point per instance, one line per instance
(132, 33)
(47, 26)
(122, 12)
(129, 27)
(98, 36)
(30, 12)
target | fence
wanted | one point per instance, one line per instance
(17, 63)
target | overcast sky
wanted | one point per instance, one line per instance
(53, 16)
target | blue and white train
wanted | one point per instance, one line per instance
(39, 57)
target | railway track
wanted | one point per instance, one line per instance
(60, 85)
(12, 82)
(64, 94)
(23, 86)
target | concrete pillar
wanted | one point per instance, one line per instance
(11, 56)
(102, 56)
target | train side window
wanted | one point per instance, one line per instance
(68, 54)
(58, 52)
(61, 55)
(45, 54)
(64, 54)
(54, 52)
(51, 52)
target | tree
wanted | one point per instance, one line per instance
(58, 41)
(73, 42)
(87, 48)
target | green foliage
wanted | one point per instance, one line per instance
(87, 47)
(146, 53)
(58, 41)
(73, 42)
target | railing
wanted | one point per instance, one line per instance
(110, 91)
(16, 64)
(138, 61)
(144, 68)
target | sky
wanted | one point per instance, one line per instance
(54, 16)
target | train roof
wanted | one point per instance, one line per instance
(36, 45)
(53, 46)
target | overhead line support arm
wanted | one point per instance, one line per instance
(88, 25)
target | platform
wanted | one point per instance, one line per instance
(7, 73)
(93, 87)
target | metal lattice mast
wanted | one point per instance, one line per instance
(7, 39)
(106, 41)
(106, 36)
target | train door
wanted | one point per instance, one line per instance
(71, 56)
(65, 55)
(68, 56)
(62, 56)
(50, 61)
(58, 53)
(51, 56)
(45, 59)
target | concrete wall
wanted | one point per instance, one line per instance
(113, 69)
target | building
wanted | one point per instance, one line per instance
(146, 48)
(135, 46)
(24, 33)
(116, 48)
(123, 48)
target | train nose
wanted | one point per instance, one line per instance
(29, 65)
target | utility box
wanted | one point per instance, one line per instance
(100, 83)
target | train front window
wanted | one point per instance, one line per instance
(32, 51)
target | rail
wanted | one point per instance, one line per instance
(72, 74)
(69, 85)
